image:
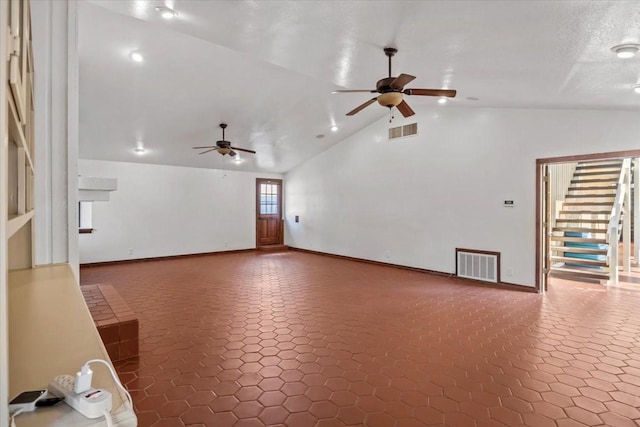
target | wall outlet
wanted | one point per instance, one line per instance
(130, 251)
(509, 272)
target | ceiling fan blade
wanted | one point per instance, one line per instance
(450, 93)
(231, 153)
(202, 148)
(212, 149)
(404, 108)
(401, 80)
(355, 90)
(244, 149)
(362, 106)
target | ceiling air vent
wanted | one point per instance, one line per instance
(406, 130)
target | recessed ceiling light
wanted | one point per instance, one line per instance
(320, 136)
(334, 128)
(626, 51)
(166, 12)
(442, 101)
(139, 147)
(136, 56)
(636, 88)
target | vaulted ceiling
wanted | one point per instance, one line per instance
(267, 68)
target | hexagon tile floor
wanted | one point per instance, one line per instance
(296, 339)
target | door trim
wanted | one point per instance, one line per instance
(540, 163)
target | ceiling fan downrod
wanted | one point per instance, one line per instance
(390, 51)
(223, 126)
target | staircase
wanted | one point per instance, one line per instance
(578, 242)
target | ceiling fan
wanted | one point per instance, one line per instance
(223, 147)
(391, 90)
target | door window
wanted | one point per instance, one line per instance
(269, 199)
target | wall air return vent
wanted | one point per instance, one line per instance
(478, 265)
(401, 131)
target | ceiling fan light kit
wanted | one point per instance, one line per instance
(391, 91)
(390, 99)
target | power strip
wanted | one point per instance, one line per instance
(93, 403)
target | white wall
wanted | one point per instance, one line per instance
(169, 210)
(4, 195)
(412, 201)
(55, 51)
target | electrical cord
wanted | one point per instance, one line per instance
(115, 379)
(107, 417)
(14, 415)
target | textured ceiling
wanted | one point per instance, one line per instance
(267, 68)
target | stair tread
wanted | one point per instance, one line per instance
(588, 203)
(591, 196)
(599, 165)
(577, 181)
(585, 221)
(595, 188)
(579, 239)
(580, 272)
(581, 229)
(589, 211)
(593, 251)
(579, 261)
(615, 174)
(613, 168)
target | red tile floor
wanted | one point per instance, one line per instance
(296, 339)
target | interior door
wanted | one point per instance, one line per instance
(268, 212)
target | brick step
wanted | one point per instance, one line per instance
(116, 323)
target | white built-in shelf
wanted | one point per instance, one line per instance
(16, 130)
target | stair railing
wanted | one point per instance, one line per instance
(613, 229)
